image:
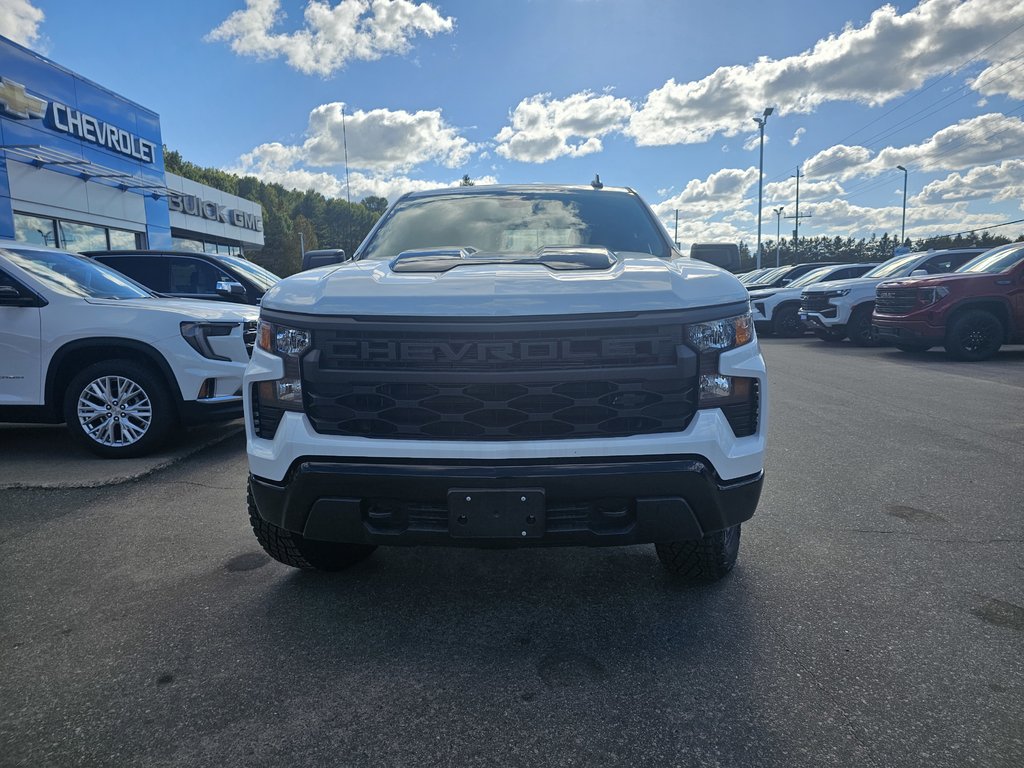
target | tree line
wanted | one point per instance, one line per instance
(846, 250)
(324, 222)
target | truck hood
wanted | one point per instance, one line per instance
(634, 283)
(187, 309)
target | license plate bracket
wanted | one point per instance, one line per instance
(496, 513)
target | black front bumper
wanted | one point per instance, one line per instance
(581, 502)
(198, 412)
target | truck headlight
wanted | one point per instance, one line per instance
(198, 335)
(289, 344)
(721, 335)
(710, 340)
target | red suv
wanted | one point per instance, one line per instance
(972, 311)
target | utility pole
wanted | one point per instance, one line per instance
(797, 217)
(344, 139)
(903, 223)
(761, 121)
(302, 243)
(675, 237)
(778, 231)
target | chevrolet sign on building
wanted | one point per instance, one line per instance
(83, 169)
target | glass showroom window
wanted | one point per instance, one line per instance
(82, 237)
(186, 244)
(120, 240)
(35, 230)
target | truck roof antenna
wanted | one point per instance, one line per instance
(596, 183)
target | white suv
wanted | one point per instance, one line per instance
(83, 344)
(836, 309)
(775, 310)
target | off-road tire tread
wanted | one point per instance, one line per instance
(701, 560)
(292, 550)
(956, 350)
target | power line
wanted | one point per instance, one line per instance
(981, 229)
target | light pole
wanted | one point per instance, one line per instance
(778, 231)
(760, 178)
(903, 224)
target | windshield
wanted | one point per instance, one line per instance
(770, 275)
(76, 275)
(814, 276)
(995, 261)
(901, 266)
(264, 278)
(517, 222)
(753, 276)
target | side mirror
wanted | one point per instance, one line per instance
(12, 297)
(919, 273)
(313, 259)
(229, 288)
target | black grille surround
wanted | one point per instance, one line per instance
(815, 302)
(895, 301)
(501, 378)
(249, 330)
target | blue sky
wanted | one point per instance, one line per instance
(658, 95)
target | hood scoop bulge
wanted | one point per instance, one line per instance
(558, 258)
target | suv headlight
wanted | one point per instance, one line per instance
(198, 337)
(836, 294)
(289, 344)
(711, 339)
(929, 296)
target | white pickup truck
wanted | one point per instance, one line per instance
(503, 367)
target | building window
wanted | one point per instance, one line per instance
(186, 244)
(82, 237)
(121, 240)
(35, 230)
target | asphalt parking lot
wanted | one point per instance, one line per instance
(876, 617)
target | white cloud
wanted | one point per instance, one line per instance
(886, 57)
(1004, 181)
(383, 140)
(543, 128)
(754, 141)
(333, 35)
(784, 192)
(976, 141)
(723, 192)
(20, 20)
(797, 136)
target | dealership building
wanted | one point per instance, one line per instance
(82, 168)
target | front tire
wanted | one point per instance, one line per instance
(860, 330)
(118, 409)
(298, 552)
(702, 560)
(787, 323)
(974, 335)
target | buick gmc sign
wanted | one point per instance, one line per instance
(207, 209)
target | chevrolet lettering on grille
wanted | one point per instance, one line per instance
(489, 352)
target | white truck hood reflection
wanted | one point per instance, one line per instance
(636, 283)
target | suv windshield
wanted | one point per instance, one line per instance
(516, 221)
(76, 275)
(996, 260)
(264, 278)
(894, 267)
(811, 277)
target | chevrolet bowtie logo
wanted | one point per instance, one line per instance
(17, 103)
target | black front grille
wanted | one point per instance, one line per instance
(814, 302)
(895, 301)
(249, 335)
(487, 381)
(743, 417)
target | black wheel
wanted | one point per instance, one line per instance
(787, 322)
(913, 347)
(707, 559)
(975, 334)
(298, 552)
(860, 330)
(832, 337)
(119, 409)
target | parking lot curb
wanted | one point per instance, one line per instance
(84, 471)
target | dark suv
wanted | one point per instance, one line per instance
(786, 274)
(192, 275)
